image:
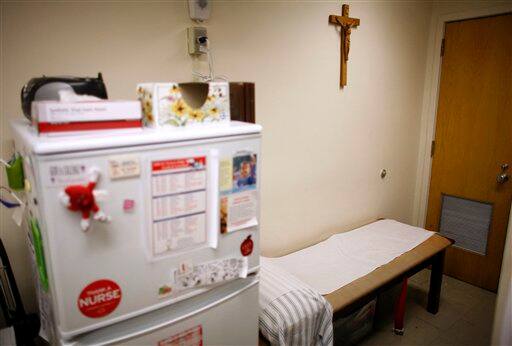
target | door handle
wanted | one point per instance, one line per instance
(502, 178)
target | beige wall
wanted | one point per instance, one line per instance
(323, 148)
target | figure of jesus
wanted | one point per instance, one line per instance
(346, 24)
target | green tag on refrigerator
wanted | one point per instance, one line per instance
(38, 247)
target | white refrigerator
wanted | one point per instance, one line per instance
(147, 237)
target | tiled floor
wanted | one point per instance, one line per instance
(465, 315)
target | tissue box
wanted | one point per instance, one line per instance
(182, 104)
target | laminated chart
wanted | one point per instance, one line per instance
(178, 204)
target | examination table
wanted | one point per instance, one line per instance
(353, 295)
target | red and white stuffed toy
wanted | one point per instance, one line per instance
(82, 198)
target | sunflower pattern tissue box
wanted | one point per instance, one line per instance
(181, 104)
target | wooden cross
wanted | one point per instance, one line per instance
(346, 24)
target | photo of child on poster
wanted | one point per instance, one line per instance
(239, 200)
(244, 172)
(224, 215)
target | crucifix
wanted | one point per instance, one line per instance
(346, 23)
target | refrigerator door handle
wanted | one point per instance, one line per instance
(213, 198)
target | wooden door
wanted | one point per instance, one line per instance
(472, 148)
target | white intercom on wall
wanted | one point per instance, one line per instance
(199, 10)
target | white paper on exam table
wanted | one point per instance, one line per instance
(345, 257)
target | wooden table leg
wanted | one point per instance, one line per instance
(436, 279)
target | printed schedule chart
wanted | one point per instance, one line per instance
(178, 203)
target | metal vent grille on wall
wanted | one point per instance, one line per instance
(467, 222)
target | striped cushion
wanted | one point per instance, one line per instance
(291, 313)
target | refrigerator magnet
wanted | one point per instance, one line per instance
(247, 246)
(128, 205)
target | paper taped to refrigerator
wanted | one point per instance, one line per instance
(42, 295)
(238, 211)
(226, 175)
(178, 203)
(239, 201)
(210, 273)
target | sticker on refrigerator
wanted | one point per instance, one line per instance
(99, 298)
(189, 337)
(67, 174)
(178, 204)
(121, 167)
(164, 291)
(210, 273)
